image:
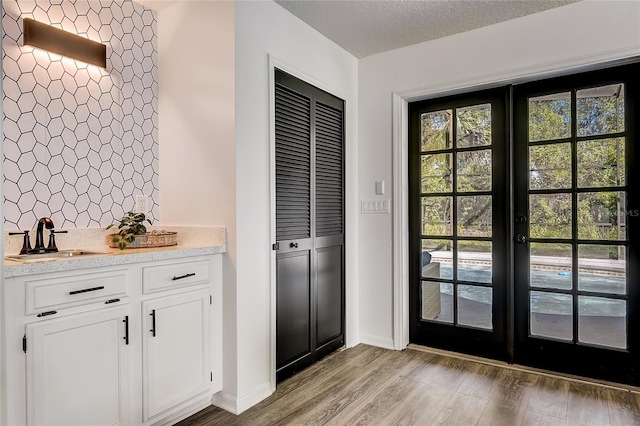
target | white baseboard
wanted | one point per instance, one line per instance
(352, 343)
(381, 342)
(174, 416)
(226, 402)
(243, 403)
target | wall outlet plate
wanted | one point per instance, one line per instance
(142, 201)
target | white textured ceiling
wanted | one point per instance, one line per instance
(367, 27)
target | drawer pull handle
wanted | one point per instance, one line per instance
(126, 330)
(108, 302)
(193, 274)
(86, 290)
(153, 323)
(46, 314)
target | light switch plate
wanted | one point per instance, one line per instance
(379, 187)
(375, 206)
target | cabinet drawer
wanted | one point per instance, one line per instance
(176, 275)
(53, 293)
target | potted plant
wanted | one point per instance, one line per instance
(129, 226)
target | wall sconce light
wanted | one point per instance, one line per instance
(64, 43)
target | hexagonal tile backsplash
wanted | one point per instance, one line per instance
(79, 141)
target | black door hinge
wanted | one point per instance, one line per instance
(212, 376)
(24, 343)
(210, 299)
(275, 246)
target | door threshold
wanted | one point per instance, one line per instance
(526, 369)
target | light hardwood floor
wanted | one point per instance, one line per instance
(372, 386)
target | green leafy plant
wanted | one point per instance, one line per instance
(129, 226)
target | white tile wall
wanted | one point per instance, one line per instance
(79, 141)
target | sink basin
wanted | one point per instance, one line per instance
(44, 257)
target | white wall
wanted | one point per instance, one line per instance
(214, 157)
(553, 41)
(263, 29)
(197, 134)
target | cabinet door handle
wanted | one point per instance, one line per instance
(193, 274)
(86, 290)
(126, 330)
(153, 323)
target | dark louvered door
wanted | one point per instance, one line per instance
(309, 224)
(329, 226)
(293, 227)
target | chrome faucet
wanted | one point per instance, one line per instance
(44, 222)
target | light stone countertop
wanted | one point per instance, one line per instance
(192, 241)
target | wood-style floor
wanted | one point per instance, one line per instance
(372, 386)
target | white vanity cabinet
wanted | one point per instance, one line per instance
(77, 369)
(176, 338)
(133, 344)
(175, 350)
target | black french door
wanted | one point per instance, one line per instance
(458, 211)
(549, 275)
(576, 230)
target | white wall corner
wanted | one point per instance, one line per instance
(380, 342)
(225, 401)
(253, 397)
(237, 405)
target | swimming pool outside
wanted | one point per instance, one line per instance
(596, 275)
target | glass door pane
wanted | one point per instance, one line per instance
(457, 175)
(576, 194)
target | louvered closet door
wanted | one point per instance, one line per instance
(293, 226)
(309, 224)
(329, 229)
